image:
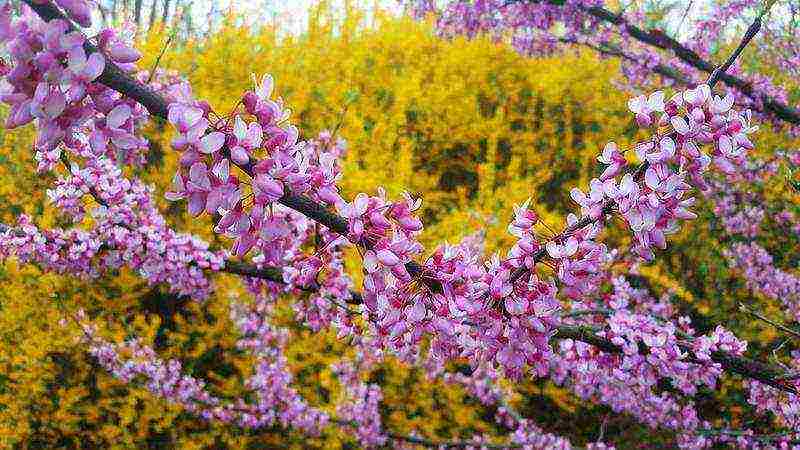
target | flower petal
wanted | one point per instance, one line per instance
(212, 142)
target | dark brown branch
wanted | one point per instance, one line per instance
(275, 274)
(610, 50)
(657, 39)
(746, 367)
(137, 13)
(660, 40)
(152, 21)
(751, 32)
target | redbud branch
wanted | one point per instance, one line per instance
(158, 59)
(764, 437)
(611, 50)
(92, 191)
(608, 208)
(116, 79)
(751, 32)
(746, 367)
(657, 39)
(664, 42)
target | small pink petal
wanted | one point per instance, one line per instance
(94, 67)
(118, 116)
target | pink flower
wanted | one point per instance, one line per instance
(85, 69)
(563, 250)
(248, 138)
(185, 117)
(698, 96)
(192, 127)
(523, 221)
(665, 151)
(48, 102)
(721, 105)
(591, 204)
(388, 258)
(78, 10)
(614, 159)
(264, 88)
(644, 107)
(267, 189)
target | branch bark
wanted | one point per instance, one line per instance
(165, 12)
(137, 12)
(658, 39)
(662, 41)
(152, 20)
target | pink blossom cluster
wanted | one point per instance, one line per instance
(785, 406)
(672, 162)
(276, 197)
(58, 251)
(761, 275)
(127, 230)
(206, 179)
(267, 150)
(745, 222)
(467, 315)
(53, 81)
(500, 311)
(628, 382)
(310, 256)
(275, 401)
(361, 409)
(789, 220)
(483, 384)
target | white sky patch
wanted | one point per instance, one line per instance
(288, 15)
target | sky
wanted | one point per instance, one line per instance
(292, 15)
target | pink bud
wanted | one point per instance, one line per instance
(250, 101)
(410, 224)
(379, 220)
(239, 155)
(387, 258)
(78, 10)
(271, 188)
(416, 312)
(122, 53)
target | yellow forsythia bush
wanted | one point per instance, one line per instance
(470, 126)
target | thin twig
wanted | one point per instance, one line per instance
(657, 39)
(751, 32)
(780, 326)
(683, 17)
(746, 433)
(158, 59)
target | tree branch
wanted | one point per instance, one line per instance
(662, 41)
(658, 39)
(116, 79)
